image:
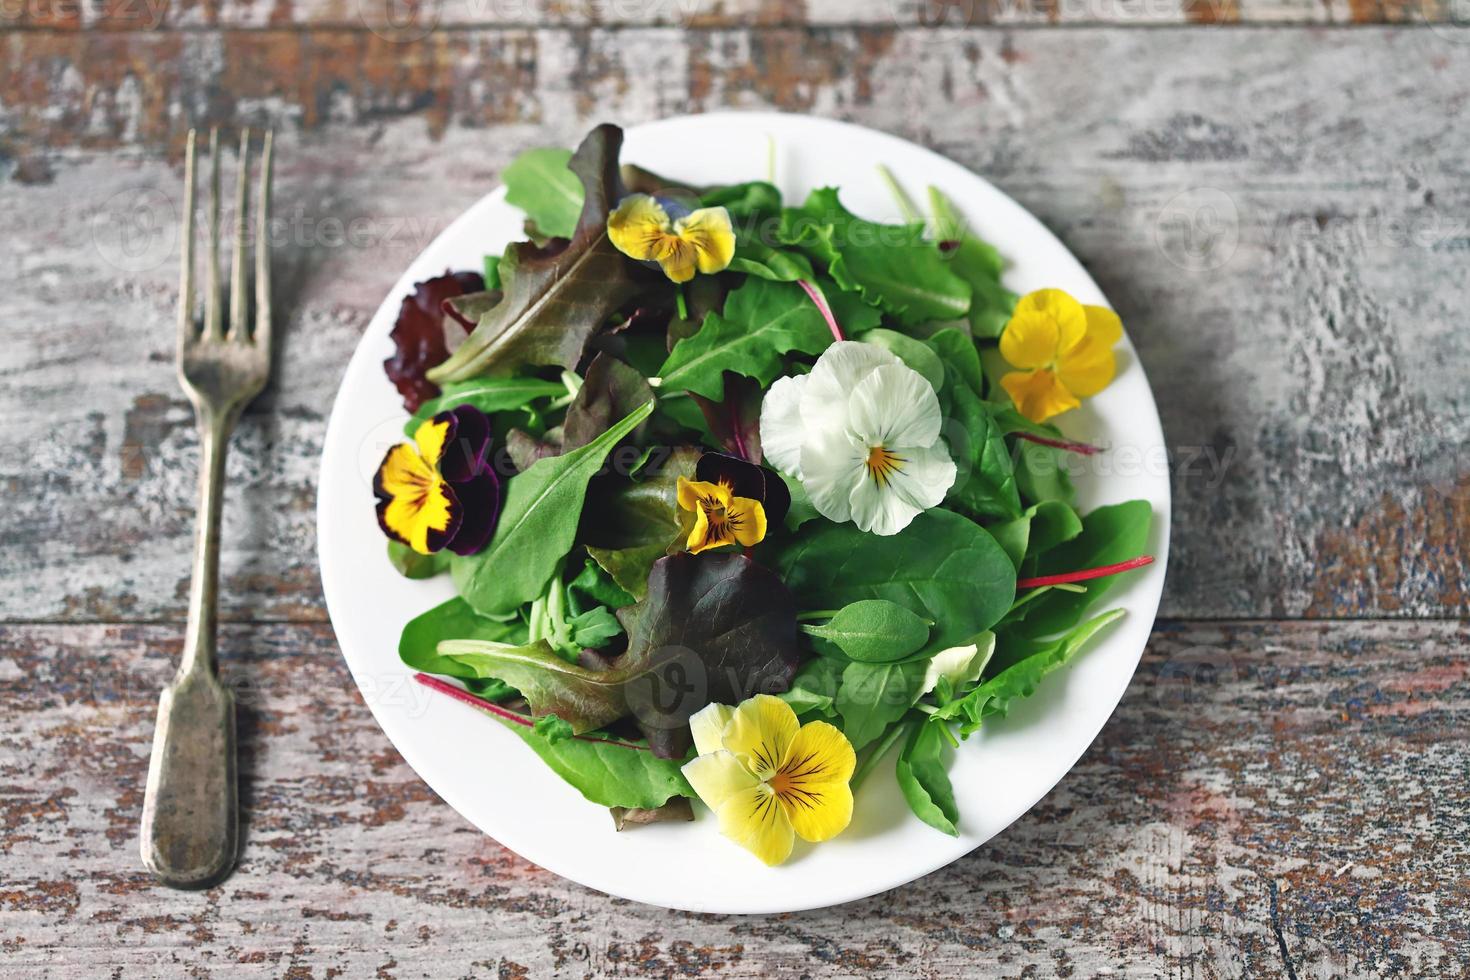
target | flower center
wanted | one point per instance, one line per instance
(882, 463)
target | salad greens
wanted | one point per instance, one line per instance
(651, 368)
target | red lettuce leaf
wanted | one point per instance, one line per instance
(418, 336)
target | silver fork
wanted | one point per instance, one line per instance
(189, 834)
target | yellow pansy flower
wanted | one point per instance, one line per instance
(1064, 351)
(702, 239)
(720, 517)
(770, 779)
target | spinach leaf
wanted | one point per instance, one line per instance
(1041, 474)
(943, 567)
(994, 696)
(985, 481)
(873, 696)
(1109, 534)
(891, 266)
(418, 645)
(957, 350)
(537, 526)
(1040, 528)
(610, 773)
(762, 321)
(556, 297)
(874, 631)
(634, 523)
(923, 780)
(489, 395)
(540, 184)
(610, 391)
(814, 688)
(915, 353)
(411, 564)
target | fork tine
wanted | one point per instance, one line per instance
(186, 262)
(213, 315)
(262, 250)
(239, 329)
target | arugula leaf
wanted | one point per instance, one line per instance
(943, 567)
(539, 183)
(411, 564)
(923, 780)
(537, 526)
(914, 353)
(1019, 680)
(632, 525)
(763, 320)
(489, 395)
(873, 631)
(612, 775)
(892, 266)
(556, 297)
(418, 645)
(1109, 534)
(873, 696)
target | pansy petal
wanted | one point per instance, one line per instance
(836, 374)
(1103, 325)
(708, 230)
(747, 520)
(755, 820)
(1038, 394)
(694, 493)
(926, 475)
(894, 406)
(639, 227)
(813, 784)
(782, 432)
(415, 506)
(701, 536)
(759, 733)
(464, 454)
(707, 725)
(717, 776)
(432, 435)
(832, 463)
(479, 499)
(878, 510)
(678, 258)
(1087, 368)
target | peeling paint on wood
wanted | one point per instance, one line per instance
(1267, 794)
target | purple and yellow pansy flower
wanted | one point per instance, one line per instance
(440, 491)
(700, 240)
(733, 502)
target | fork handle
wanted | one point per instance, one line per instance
(189, 832)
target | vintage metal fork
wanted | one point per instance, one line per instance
(189, 835)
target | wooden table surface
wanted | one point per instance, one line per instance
(1275, 194)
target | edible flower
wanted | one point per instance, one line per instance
(769, 779)
(861, 433)
(1064, 350)
(440, 491)
(720, 517)
(641, 228)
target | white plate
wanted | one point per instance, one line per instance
(490, 777)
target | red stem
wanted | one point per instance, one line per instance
(1071, 447)
(822, 307)
(465, 697)
(1102, 571)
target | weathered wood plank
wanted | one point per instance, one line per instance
(1289, 260)
(1265, 791)
(415, 20)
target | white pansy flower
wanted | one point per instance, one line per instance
(861, 433)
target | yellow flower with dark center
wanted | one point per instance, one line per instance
(701, 240)
(770, 779)
(720, 517)
(439, 490)
(1064, 350)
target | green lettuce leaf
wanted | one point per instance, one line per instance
(539, 183)
(537, 526)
